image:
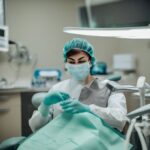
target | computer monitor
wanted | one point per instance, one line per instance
(4, 46)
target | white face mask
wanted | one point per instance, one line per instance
(78, 71)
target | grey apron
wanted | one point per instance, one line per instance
(91, 95)
(95, 94)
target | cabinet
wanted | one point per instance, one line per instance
(26, 112)
(15, 110)
(10, 115)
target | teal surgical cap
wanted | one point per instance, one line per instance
(81, 44)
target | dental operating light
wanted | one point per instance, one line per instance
(126, 32)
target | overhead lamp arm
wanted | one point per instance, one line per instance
(89, 12)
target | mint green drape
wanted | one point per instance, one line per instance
(82, 131)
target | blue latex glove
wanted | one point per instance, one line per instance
(55, 97)
(50, 99)
(74, 106)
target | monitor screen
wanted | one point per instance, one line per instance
(2, 33)
(4, 38)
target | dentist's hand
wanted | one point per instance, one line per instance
(74, 106)
(55, 97)
(50, 99)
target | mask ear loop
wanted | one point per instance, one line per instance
(90, 64)
(65, 68)
(91, 67)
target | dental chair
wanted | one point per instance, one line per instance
(138, 130)
(14, 142)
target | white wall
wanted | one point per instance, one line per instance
(39, 25)
(141, 49)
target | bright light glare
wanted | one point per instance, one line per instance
(137, 34)
(128, 32)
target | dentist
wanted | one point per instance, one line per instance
(82, 92)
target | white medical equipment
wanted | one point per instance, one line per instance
(141, 123)
(46, 77)
(20, 54)
(140, 111)
(124, 62)
(139, 120)
(4, 46)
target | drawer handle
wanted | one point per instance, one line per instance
(3, 110)
(4, 98)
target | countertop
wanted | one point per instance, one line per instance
(23, 89)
